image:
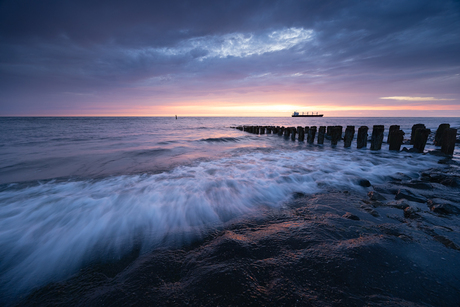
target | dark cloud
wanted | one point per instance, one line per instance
(95, 48)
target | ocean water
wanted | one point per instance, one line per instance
(76, 191)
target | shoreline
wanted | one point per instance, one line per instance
(398, 245)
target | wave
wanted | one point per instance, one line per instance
(48, 231)
(221, 139)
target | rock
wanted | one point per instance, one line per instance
(364, 183)
(375, 196)
(399, 204)
(444, 179)
(371, 211)
(410, 150)
(410, 213)
(415, 184)
(443, 208)
(406, 194)
(350, 216)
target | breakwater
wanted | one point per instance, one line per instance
(445, 137)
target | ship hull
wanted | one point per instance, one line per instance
(319, 115)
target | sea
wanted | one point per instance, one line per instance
(191, 211)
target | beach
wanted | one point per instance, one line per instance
(159, 211)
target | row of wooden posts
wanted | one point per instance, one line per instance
(445, 136)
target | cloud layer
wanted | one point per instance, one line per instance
(79, 57)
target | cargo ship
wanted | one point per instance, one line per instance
(296, 114)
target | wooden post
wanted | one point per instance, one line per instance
(311, 135)
(392, 128)
(262, 130)
(293, 132)
(439, 133)
(449, 137)
(269, 130)
(329, 131)
(396, 138)
(421, 136)
(321, 132)
(287, 132)
(362, 137)
(301, 133)
(336, 134)
(281, 131)
(414, 128)
(349, 134)
(377, 137)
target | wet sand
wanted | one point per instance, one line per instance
(397, 245)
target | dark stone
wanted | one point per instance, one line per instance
(321, 132)
(406, 194)
(349, 134)
(449, 137)
(362, 137)
(442, 208)
(414, 128)
(377, 137)
(350, 216)
(420, 185)
(439, 134)
(371, 211)
(399, 204)
(364, 183)
(375, 196)
(405, 149)
(410, 213)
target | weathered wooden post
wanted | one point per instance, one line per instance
(336, 134)
(293, 132)
(287, 132)
(276, 129)
(281, 131)
(269, 130)
(439, 133)
(377, 137)
(396, 137)
(449, 138)
(301, 134)
(421, 136)
(329, 131)
(262, 130)
(321, 132)
(362, 137)
(349, 134)
(311, 135)
(392, 128)
(414, 128)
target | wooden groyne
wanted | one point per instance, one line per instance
(445, 136)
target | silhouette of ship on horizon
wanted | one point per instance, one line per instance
(296, 114)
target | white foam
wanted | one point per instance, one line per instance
(49, 231)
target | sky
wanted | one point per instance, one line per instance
(229, 58)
